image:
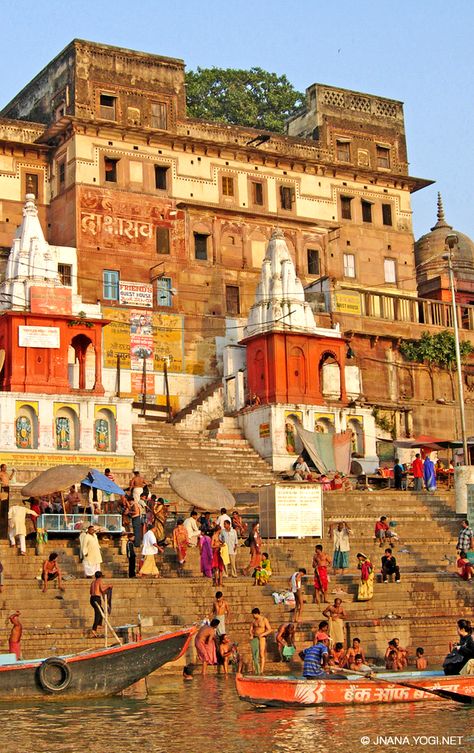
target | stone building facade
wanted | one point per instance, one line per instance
(171, 218)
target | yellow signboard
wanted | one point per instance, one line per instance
(348, 302)
(167, 339)
(40, 461)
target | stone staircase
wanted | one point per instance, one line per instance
(427, 602)
(207, 406)
(229, 458)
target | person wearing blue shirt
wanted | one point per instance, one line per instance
(316, 659)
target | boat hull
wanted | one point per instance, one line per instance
(95, 674)
(292, 692)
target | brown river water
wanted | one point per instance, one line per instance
(206, 716)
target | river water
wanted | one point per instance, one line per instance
(206, 716)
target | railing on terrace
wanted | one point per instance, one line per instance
(402, 309)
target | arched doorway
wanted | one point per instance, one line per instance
(81, 363)
(297, 371)
(330, 376)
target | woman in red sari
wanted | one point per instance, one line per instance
(217, 563)
(465, 568)
(180, 544)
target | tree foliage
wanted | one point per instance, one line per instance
(436, 350)
(253, 98)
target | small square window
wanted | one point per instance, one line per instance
(110, 167)
(159, 115)
(257, 193)
(287, 197)
(387, 214)
(383, 156)
(111, 281)
(349, 265)
(390, 270)
(162, 240)
(108, 107)
(65, 274)
(366, 211)
(346, 211)
(200, 246)
(232, 299)
(164, 294)
(161, 177)
(31, 183)
(343, 150)
(313, 261)
(227, 186)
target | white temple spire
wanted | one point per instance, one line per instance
(280, 304)
(32, 261)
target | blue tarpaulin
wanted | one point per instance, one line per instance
(98, 480)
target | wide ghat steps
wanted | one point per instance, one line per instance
(162, 446)
(421, 610)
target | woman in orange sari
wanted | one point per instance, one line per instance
(180, 544)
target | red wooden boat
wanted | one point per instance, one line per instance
(97, 673)
(291, 691)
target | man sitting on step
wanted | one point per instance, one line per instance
(390, 567)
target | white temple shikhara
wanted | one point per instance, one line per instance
(32, 261)
(280, 304)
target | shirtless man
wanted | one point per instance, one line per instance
(295, 584)
(259, 629)
(5, 480)
(136, 484)
(15, 634)
(355, 649)
(98, 589)
(402, 654)
(336, 615)
(285, 637)
(321, 562)
(205, 643)
(51, 571)
(220, 610)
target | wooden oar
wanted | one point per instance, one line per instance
(448, 695)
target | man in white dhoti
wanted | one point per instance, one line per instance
(17, 524)
(91, 553)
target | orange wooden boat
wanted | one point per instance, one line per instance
(291, 691)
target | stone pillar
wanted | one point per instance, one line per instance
(463, 476)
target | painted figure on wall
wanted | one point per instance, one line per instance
(102, 435)
(63, 434)
(24, 433)
(290, 438)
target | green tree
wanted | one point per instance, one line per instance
(253, 98)
(435, 350)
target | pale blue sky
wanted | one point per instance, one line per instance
(417, 51)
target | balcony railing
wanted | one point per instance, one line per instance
(400, 309)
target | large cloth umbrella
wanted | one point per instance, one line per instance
(55, 479)
(98, 480)
(203, 492)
